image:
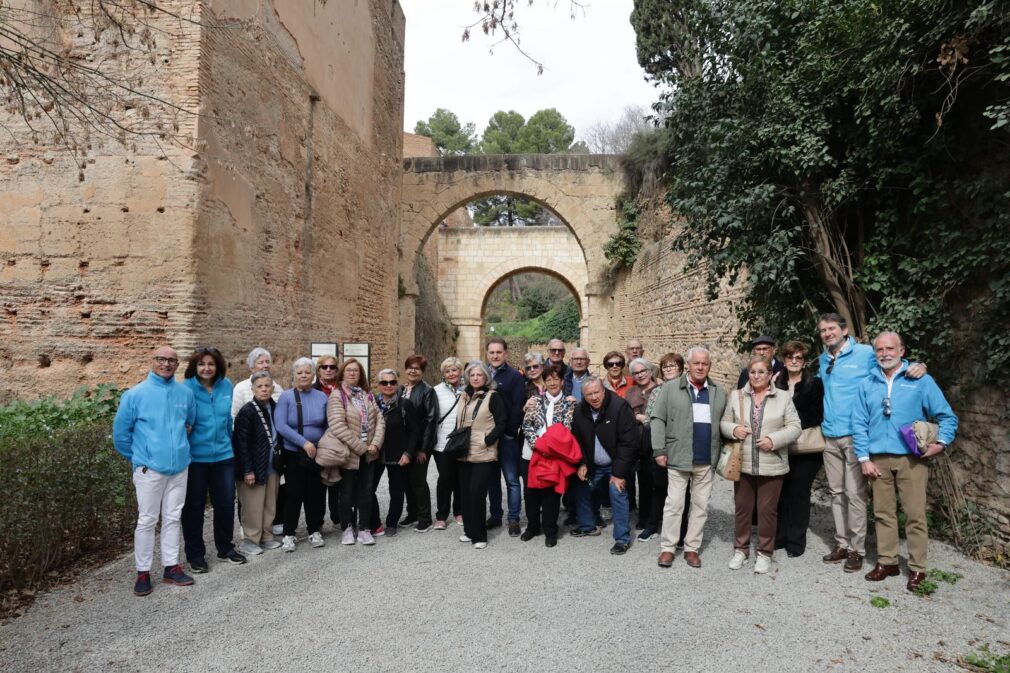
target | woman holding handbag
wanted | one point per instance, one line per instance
(447, 493)
(255, 443)
(767, 428)
(805, 454)
(482, 418)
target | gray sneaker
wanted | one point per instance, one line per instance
(271, 544)
(251, 548)
(365, 537)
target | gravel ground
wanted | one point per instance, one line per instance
(429, 603)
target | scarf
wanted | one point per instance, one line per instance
(358, 399)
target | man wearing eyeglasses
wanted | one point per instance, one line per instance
(887, 402)
(556, 356)
(763, 346)
(151, 430)
(578, 373)
(844, 365)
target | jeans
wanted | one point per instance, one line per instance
(620, 504)
(509, 454)
(219, 479)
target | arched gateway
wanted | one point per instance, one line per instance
(582, 189)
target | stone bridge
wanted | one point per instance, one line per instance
(581, 189)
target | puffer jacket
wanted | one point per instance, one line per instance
(252, 443)
(778, 421)
(344, 424)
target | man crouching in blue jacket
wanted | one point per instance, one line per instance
(887, 401)
(151, 430)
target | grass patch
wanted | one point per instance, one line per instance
(880, 602)
(984, 659)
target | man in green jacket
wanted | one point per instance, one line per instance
(685, 440)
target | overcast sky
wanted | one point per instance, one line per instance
(590, 70)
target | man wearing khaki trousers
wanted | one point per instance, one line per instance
(686, 441)
(887, 402)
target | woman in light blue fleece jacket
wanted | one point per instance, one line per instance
(212, 469)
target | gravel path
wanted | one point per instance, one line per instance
(429, 603)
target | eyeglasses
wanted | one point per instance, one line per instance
(671, 366)
(327, 366)
(556, 350)
(794, 356)
(388, 383)
(887, 407)
(533, 366)
(413, 369)
(614, 363)
(640, 371)
(580, 359)
(166, 361)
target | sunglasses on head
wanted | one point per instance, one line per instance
(207, 349)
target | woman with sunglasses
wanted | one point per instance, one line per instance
(399, 446)
(646, 382)
(765, 420)
(326, 381)
(615, 379)
(212, 469)
(447, 495)
(534, 369)
(807, 391)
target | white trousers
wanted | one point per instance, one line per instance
(164, 495)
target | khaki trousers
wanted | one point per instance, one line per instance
(910, 474)
(847, 486)
(259, 503)
(700, 479)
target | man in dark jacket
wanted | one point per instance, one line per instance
(764, 346)
(608, 434)
(511, 386)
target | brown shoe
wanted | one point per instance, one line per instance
(854, 563)
(914, 579)
(692, 559)
(665, 559)
(882, 572)
(838, 555)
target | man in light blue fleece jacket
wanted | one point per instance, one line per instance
(151, 429)
(887, 401)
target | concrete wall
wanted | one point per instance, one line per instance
(268, 222)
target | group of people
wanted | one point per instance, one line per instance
(642, 436)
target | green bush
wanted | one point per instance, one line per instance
(558, 323)
(66, 491)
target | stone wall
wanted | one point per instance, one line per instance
(273, 221)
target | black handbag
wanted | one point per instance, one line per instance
(457, 445)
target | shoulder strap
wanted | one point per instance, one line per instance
(298, 403)
(446, 414)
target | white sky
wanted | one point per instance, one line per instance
(590, 70)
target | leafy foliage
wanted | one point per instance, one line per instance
(561, 322)
(66, 490)
(448, 134)
(984, 659)
(850, 156)
(623, 246)
(880, 602)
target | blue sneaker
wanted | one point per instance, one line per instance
(175, 575)
(142, 587)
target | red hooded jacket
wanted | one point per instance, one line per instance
(555, 455)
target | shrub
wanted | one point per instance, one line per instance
(66, 490)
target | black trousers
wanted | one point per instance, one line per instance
(396, 476)
(304, 487)
(474, 479)
(794, 502)
(542, 508)
(418, 493)
(356, 494)
(281, 496)
(333, 502)
(646, 491)
(447, 495)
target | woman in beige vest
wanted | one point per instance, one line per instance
(768, 425)
(482, 410)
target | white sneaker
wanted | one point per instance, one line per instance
(738, 560)
(479, 545)
(249, 548)
(277, 529)
(271, 544)
(288, 543)
(464, 538)
(316, 540)
(365, 537)
(348, 536)
(763, 564)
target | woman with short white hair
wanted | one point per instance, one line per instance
(300, 418)
(447, 496)
(258, 360)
